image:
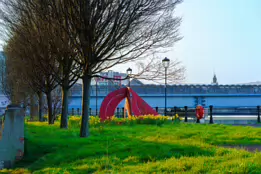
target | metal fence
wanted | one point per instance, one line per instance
(189, 113)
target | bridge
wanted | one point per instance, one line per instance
(234, 97)
(222, 96)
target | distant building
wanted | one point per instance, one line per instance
(136, 82)
(115, 81)
(214, 81)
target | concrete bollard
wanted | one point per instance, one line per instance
(12, 139)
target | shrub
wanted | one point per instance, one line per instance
(176, 118)
(151, 119)
(58, 117)
(94, 121)
(144, 119)
(45, 117)
(75, 121)
(116, 121)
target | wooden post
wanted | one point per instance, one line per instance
(186, 113)
(258, 114)
(122, 112)
(175, 110)
(72, 111)
(118, 112)
(78, 111)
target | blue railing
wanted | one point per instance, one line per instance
(159, 89)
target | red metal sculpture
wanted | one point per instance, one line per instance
(137, 106)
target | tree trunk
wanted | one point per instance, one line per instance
(25, 105)
(33, 109)
(50, 108)
(40, 106)
(64, 116)
(86, 88)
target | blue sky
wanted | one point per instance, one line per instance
(222, 36)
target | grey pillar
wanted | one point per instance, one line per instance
(12, 136)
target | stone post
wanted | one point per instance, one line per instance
(12, 139)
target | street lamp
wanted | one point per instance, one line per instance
(129, 72)
(96, 88)
(165, 63)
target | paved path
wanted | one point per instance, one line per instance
(252, 125)
(250, 148)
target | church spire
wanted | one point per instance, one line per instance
(215, 82)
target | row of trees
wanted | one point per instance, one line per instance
(55, 43)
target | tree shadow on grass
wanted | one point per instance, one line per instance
(95, 152)
(137, 152)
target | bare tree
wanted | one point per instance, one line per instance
(5, 86)
(13, 84)
(69, 68)
(153, 71)
(57, 102)
(108, 33)
(30, 43)
(55, 41)
(15, 88)
(105, 33)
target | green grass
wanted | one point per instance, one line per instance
(177, 148)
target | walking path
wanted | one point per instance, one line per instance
(252, 125)
(250, 148)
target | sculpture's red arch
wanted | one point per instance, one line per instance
(140, 107)
(137, 106)
(111, 102)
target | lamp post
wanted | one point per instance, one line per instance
(165, 63)
(96, 88)
(129, 72)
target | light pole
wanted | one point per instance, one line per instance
(96, 88)
(165, 63)
(129, 71)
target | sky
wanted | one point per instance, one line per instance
(221, 36)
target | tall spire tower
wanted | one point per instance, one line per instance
(214, 81)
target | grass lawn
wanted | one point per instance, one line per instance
(173, 148)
